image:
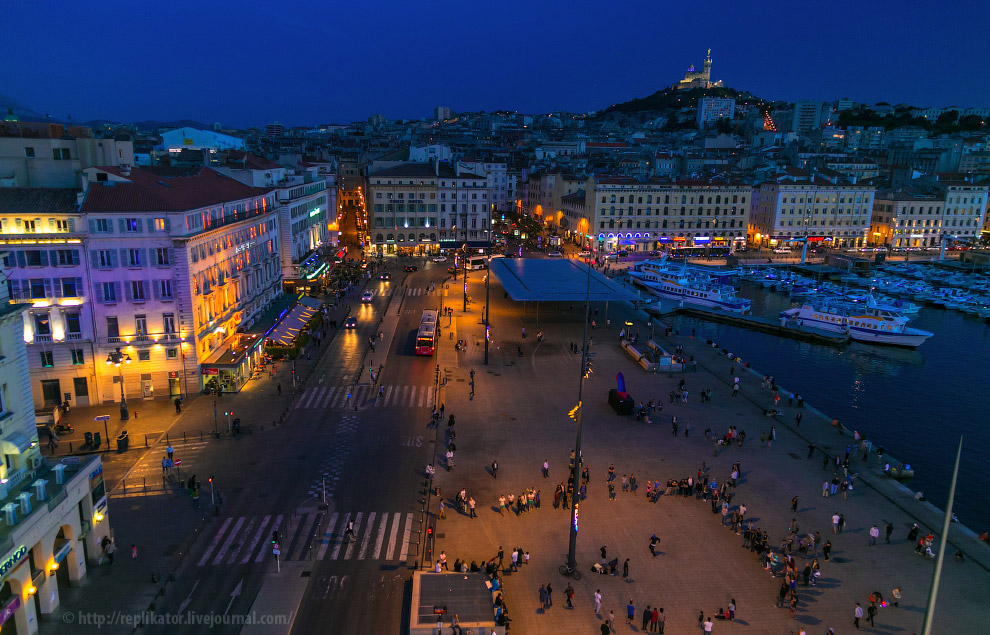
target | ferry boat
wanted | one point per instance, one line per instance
(685, 285)
(871, 324)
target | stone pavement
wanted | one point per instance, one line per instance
(518, 416)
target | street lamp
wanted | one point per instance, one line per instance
(117, 358)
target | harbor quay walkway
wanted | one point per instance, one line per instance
(516, 413)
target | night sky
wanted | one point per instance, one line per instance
(307, 62)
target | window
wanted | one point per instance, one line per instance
(133, 257)
(137, 290)
(140, 324)
(106, 259)
(131, 224)
(112, 328)
(168, 322)
(77, 356)
(29, 152)
(69, 287)
(67, 257)
(34, 257)
(72, 323)
(47, 359)
(171, 353)
(38, 288)
(159, 224)
(60, 154)
(109, 292)
(103, 225)
(42, 324)
(161, 256)
(144, 356)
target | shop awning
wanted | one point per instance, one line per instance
(289, 327)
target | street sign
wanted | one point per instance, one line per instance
(276, 551)
(177, 462)
(102, 418)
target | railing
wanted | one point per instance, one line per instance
(42, 338)
(73, 336)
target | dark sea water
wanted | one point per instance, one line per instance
(915, 403)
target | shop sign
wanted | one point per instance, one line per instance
(211, 371)
(7, 565)
(173, 374)
(63, 551)
(11, 608)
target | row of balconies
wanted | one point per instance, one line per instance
(69, 337)
(145, 339)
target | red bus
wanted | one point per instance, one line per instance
(426, 338)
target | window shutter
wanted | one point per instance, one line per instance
(113, 259)
(44, 257)
(146, 292)
(116, 291)
(56, 287)
(75, 256)
(157, 290)
(14, 288)
(92, 226)
(21, 259)
(139, 226)
(124, 262)
(72, 224)
(127, 290)
(151, 225)
(146, 256)
(94, 258)
(122, 224)
(79, 286)
(52, 257)
(168, 224)
(98, 293)
(48, 287)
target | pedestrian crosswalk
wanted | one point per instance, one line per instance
(366, 396)
(420, 291)
(381, 536)
(147, 477)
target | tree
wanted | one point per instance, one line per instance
(723, 125)
(947, 118)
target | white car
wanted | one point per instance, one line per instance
(367, 296)
(584, 254)
(439, 258)
(555, 254)
(781, 250)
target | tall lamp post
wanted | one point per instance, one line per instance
(488, 282)
(117, 358)
(465, 275)
(576, 467)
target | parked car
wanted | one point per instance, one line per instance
(555, 254)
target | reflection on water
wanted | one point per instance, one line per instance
(915, 403)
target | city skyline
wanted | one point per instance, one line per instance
(401, 61)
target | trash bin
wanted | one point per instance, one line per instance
(88, 436)
(96, 440)
(122, 441)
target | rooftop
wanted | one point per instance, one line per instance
(545, 279)
(34, 200)
(424, 170)
(168, 190)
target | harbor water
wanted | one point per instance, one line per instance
(915, 403)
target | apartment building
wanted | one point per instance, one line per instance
(182, 261)
(306, 207)
(906, 217)
(54, 512)
(713, 109)
(54, 155)
(496, 173)
(835, 212)
(43, 235)
(965, 208)
(426, 206)
(622, 213)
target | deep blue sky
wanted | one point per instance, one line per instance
(319, 61)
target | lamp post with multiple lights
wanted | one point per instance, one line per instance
(117, 358)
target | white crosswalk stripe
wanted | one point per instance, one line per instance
(417, 291)
(366, 396)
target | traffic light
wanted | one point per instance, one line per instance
(429, 531)
(210, 480)
(275, 537)
(575, 412)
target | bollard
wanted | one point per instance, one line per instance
(200, 434)
(70, 447)
(166, 439)
(183, 437)
(123, 482)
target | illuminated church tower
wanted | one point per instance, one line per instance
(699, 79)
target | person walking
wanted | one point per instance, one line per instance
(598, 601)
(569, 596)
(888, 529)
(546, 468)
(630, 612)
(653, 545)
(794, 504)
(471, 505)
(857, 615)
(543, 597)
(896, 594)
(494, 469)
(647, 614)
(827, 549)
(604, 552)
(707, 625)
(835, 523)
(874, 534)
(625, 568)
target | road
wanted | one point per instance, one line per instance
(369, 452)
